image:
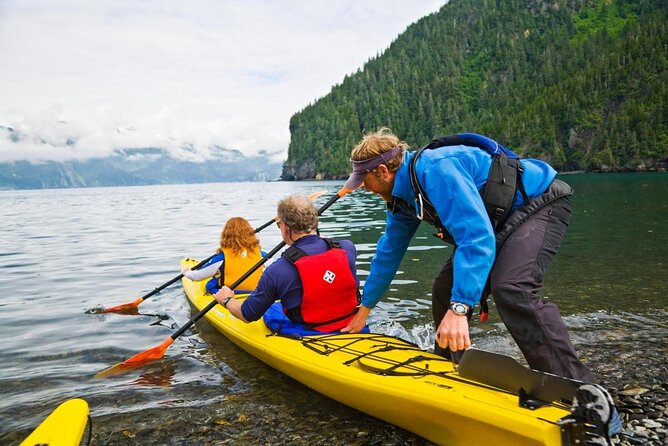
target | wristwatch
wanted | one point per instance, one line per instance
(226, 301)
(459, 309)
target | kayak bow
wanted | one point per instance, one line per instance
(63, 427)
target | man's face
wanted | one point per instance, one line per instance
(380, 181)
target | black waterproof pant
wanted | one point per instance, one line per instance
(515, 282)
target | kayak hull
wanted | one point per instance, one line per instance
(393, 380)
(63, 427)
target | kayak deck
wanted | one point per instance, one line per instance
(63, 427)
(393, 380)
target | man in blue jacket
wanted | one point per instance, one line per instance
(509, 262)
(504, 239)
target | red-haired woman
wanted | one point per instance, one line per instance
(239, 250)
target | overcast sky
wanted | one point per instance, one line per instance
(133, 73)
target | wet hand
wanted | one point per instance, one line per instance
(453, 332)
(358, 321)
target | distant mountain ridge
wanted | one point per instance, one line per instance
(582, 84)
(136, 166)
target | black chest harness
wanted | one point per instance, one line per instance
(505, 178)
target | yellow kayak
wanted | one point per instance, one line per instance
(63, 427)
(396, 381)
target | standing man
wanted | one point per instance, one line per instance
(505, 218)
(502, 249)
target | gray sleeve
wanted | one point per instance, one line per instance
(204, 273)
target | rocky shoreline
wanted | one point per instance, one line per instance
(643, 408)
(637, 380)
(644, 412)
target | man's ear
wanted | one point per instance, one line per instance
(384, 171)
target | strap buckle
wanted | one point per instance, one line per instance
(420, 213)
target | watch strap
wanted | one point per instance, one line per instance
(459, 308)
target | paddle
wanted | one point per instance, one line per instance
(158, 352)
(125, 308)
(506, 373)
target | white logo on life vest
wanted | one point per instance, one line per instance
(329, 276)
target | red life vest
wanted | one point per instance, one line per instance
(330, 300)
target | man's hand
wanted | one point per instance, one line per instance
(222, 294)
(233, 305)
(358, 322)
(453, 332)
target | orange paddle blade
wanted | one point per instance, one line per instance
(123, 307)
(138, 360)
(316, 195)
(151, 354)
(116, 370)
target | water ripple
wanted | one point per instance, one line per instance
(107, 246)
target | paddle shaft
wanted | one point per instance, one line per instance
(269, 223)
(254, 268)
(138, 301)
(166, 284)
(213, 303)
(199, 265)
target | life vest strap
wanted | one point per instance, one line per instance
(292, 254)
(331, 321)
(504, 179)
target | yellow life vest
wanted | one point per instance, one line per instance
(237, 265)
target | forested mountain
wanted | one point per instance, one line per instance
(582, 84)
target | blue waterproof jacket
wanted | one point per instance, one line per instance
(451, 177)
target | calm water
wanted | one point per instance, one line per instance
(63, 252)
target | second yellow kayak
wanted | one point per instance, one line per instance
(63, 427)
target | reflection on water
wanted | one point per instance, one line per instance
(66, 251)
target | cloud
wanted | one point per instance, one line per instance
(203, 72)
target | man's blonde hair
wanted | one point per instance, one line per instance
(378, 142)
(298, 213)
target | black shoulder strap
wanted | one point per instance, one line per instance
(425, 206)
(292, 254)
(331, 243)
(220, 275)
(450, 140)
(505, 177)
(426, 209)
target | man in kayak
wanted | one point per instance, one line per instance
(315, 280)
(502, 249)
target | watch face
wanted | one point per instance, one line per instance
(458, 308)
